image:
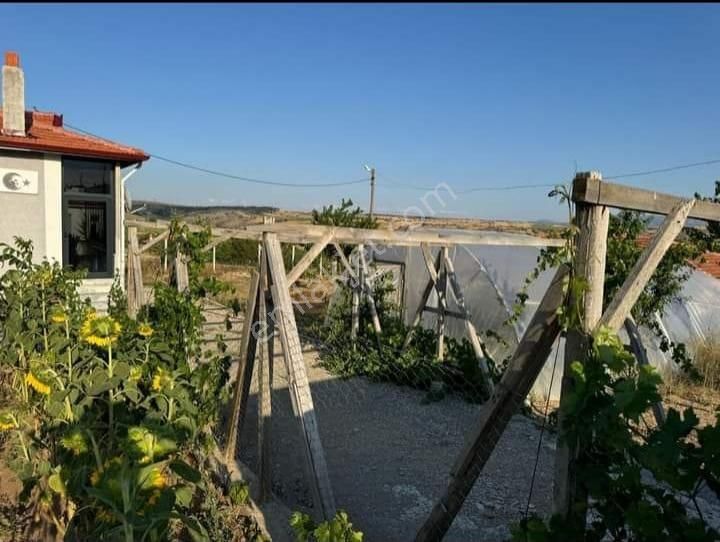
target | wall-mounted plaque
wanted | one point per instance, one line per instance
(20, 181)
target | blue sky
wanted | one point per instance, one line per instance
(471, 95)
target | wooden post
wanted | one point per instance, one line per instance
(508, 397)
(165, 258)
(441, 289)
(621, 306)
(477, 345)
(298, 385)
(213, 258)
(265, 340)
(638, 349)
(136, 293)
(355, 322)
(292, 255)
(591, 249)
(425, 296)
(246, 361)
(365, 286)
(182, 280)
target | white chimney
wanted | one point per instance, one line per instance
(13, 95)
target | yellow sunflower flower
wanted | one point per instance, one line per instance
(37, 384)
(7, 422)
(161, 378)
(157, 479)
(136, 373)
(145, 330)
(101, 331)
(58, 317)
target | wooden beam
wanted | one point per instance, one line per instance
(453, 314)
(477, 345)
(291, 232)
(508, 397)
(345, 261)
(298, 385)
(368, 294)
(621, 306)
(160, 237)
(598, 192)
(246, 361)
(422, 307)
(182, 280)
(265, 375)
(638, 349)
(308, 258)
(590, 256)
(441, 290)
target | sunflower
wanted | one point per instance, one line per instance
(7, 422)
(161, 378)
(156, 479)
(58, 315)
(136, 373)
(75, 442)
(38, 385)
(145, 330)
(102, 331)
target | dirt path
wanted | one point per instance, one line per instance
(389, 456)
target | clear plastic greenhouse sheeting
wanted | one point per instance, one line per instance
(492, 276)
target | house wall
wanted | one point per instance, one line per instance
(33, 216)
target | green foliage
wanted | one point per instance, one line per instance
(238, 493)
(344, 215)
(639, 482)
(103, 410)
(338, 529)
(417, 366)
(624, 250)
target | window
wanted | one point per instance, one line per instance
(88, 216)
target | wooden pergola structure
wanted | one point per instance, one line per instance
(270, 312)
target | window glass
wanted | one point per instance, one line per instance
(86, 234)
(87, 176)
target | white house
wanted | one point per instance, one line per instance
(63, 190)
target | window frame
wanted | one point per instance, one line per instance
(91, 197)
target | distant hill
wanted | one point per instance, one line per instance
(166, 211)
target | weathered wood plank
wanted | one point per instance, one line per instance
(308, 258)
(246, 361)
(345, 262)
(508, 397)
(638, 349)
(368, 293)
(135, 290)
(422, 307)
(264, 372)
(626, 297)
(598, 192)
(298, 384)
(160, 237)
(441, 289)
(289, 232)
(477, 345)
(590, 256)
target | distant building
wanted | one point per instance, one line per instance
(61, 189)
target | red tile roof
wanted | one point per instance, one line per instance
(45, 132)
(708, 262)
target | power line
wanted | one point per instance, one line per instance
(664, 170)
(231, 175)
(470, 190)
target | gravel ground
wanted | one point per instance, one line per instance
(389, 456)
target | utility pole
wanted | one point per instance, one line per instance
(372, 189)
